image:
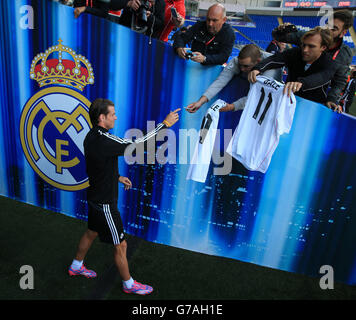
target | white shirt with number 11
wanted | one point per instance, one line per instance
(267, 115)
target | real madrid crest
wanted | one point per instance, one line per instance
(55, 121)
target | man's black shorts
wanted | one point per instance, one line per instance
(106, 221)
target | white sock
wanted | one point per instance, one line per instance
(76, 264)
(128, 283)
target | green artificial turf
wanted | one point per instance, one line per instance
(47, 241)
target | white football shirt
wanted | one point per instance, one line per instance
(268, 113)
(199, 167)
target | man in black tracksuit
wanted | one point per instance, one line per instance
(339, 52)
(98, 7)
(211, 40)
(310, 70)
(101, 150)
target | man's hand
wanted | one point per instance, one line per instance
(228, 107)
(252, 76)
(126, 182)
(181, 52)
(195, 106)
(78, 11)
(333, 106)
(134, 4)
(198, 57)
(172, 118)
(179, 21)
(292, 87)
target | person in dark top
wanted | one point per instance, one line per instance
(101, 150)
(101, 8)
(211, 40)
(154, 25)
(310, 70)
(338, 51)
(349, 92)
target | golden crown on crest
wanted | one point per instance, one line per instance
(76, 72)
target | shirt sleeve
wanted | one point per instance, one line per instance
(318, 79)
(116, 146)
(223, 79)
(275, 61)
(240, 104)
(114, 4)
(285, 114)
(182, 38)
(339, 80)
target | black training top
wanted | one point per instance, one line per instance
(101, 150)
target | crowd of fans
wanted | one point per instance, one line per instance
(317, 63)
(155, 18)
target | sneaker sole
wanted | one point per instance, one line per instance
(80, 274)
(140, 294)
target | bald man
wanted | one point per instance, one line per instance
(211, 40)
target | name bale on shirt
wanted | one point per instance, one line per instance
(272, 84)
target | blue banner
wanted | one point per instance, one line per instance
(297, 217)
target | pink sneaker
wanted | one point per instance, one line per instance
(138, 288)
(82, 271)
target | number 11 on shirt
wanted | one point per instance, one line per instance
(268, 104)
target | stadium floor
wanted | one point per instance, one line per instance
(47, 241)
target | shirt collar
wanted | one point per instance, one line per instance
(101, 128)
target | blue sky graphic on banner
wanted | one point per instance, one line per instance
(298, 216)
